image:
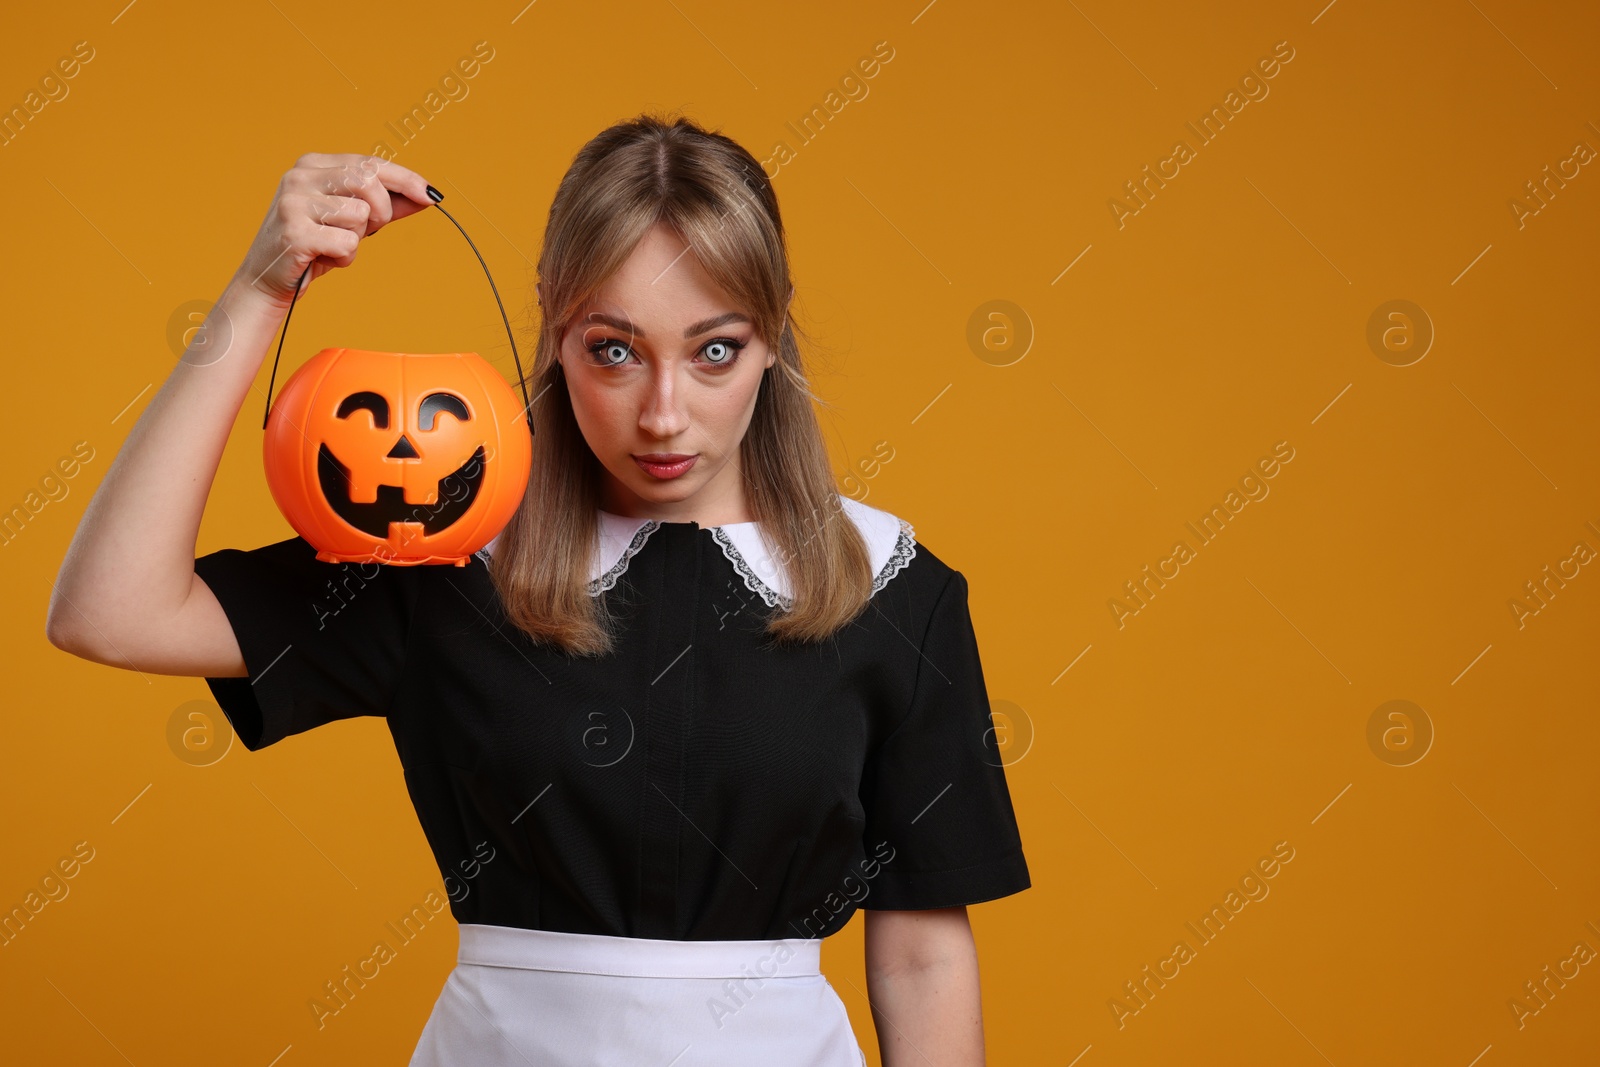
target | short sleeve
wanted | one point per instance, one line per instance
(321, 641)
(935, 789)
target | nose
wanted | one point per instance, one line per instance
(403, 449)
(661, 415)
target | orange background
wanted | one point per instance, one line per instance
(1230, 313)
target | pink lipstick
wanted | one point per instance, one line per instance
(665, 465)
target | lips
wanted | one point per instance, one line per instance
(665, 464)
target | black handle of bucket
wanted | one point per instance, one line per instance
(435, 196)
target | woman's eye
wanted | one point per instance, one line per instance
(611, 353)
(722, 351)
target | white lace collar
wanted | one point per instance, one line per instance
(890, 542)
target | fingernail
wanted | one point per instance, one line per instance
(434, 194)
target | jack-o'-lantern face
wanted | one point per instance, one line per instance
(436, 502)
(397, 457)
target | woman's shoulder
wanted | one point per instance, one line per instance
(896, 553)
(891, 541)
(923, 597)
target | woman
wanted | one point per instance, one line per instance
(685, 715)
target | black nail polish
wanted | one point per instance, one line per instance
(434, 194)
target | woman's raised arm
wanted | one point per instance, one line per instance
(127, 594)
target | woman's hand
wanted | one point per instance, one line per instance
(323, 207)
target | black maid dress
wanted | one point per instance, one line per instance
(692, 784)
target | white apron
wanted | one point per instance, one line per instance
(539, 998)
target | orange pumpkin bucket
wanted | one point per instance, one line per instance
(398, 457)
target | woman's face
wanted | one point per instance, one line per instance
(663, 369)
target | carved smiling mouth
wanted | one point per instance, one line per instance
(391, 505)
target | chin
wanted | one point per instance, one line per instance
(664, 492)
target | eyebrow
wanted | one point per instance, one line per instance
(696, 329)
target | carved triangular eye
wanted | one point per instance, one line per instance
(371, 402)
(434, 403)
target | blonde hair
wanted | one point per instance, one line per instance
(716, 197)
